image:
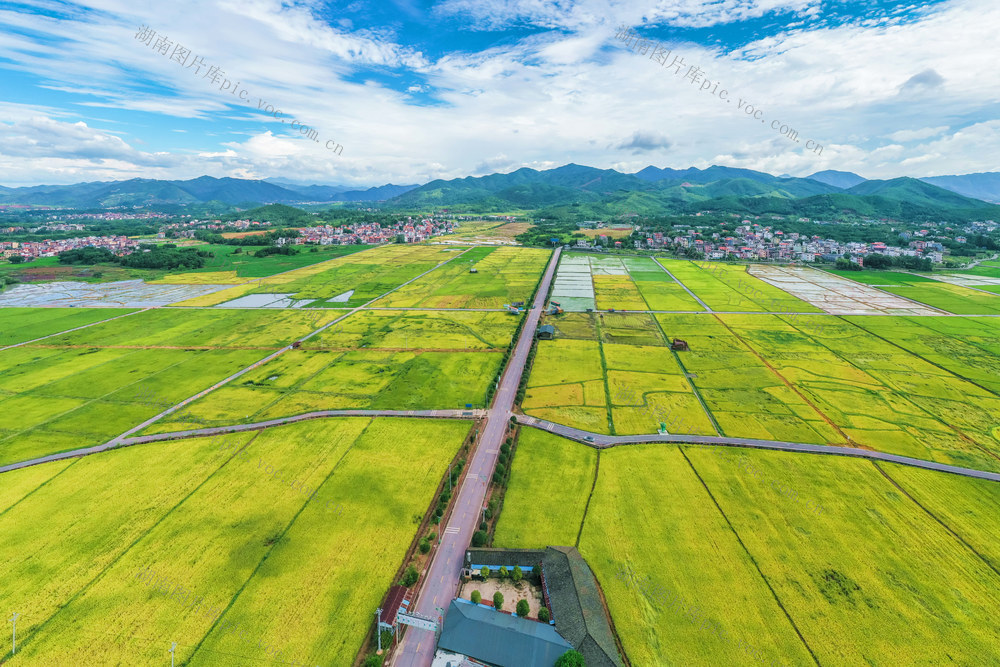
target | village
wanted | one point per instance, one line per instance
(119, 245)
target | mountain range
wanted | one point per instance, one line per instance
(577, 192)
(151, 192)
(574, 191)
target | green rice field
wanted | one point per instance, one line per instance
(264, 568)
(716, 556)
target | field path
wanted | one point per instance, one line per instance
(693, 295)
(225, 381)
(600, 441)
(59, 333)
(439, 584)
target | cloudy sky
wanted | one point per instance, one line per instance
(413, 90)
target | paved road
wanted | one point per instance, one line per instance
(440, 584)
(600, 441)
(237, 428)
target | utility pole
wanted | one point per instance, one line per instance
(13, 639)
(378, 629)
(173, 645)
(449, 478)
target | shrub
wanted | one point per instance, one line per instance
(425, 546)
(498, 600)
(504, 572)
(484, 526)
(372, 661)
(488, 514)
(476, 596)
(518, 574)
(505, 448)
(431, 537)
(522, 608)
(479, 538)
(485, 572)
(409, 577)
(570, 659)
(543, 615)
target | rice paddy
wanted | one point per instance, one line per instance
(718, 556)
(264, 567)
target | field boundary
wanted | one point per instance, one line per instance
(753, 560)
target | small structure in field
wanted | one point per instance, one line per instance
(296, 345)
(546, 332)
(679, 345)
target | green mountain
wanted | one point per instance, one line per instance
(577, 192)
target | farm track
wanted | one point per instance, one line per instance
(601, 441)
(240, 428)
(270, 357)
(59, 333)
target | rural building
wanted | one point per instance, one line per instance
(546, 332)
(569, 590)
(495, 638)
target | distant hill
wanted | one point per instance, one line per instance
(145, 192)
(838, 179)
(572, 190)
(582, 192)
(985, 186)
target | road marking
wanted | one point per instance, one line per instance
(452, 530)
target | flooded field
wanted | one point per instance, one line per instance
(121, 294)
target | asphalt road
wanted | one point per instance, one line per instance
(600, 441)
(440, 584)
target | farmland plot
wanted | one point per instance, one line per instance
(502, 275)
(261, 557)
(710, 555)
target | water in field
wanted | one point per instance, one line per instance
(122, 293)
(266, 301)
(342, 298)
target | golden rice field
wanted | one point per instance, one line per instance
(205, 278)
(708, 555)
(906, 386)
(503, 275)
(369, 273)
(265, 570)
(730, 288)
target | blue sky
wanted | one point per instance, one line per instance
(413, 90)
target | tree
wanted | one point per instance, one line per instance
(16, 259)
(410, 576)
(522, 608)
(479, 538)
(425, 546)
(498, 600)
(372, 661)
(518, 574)
(543, 614)
(476, 597)
(485, 572)
(570, 659)
(504, 573)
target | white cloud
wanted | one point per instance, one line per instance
(571, 94)
(913, 135)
